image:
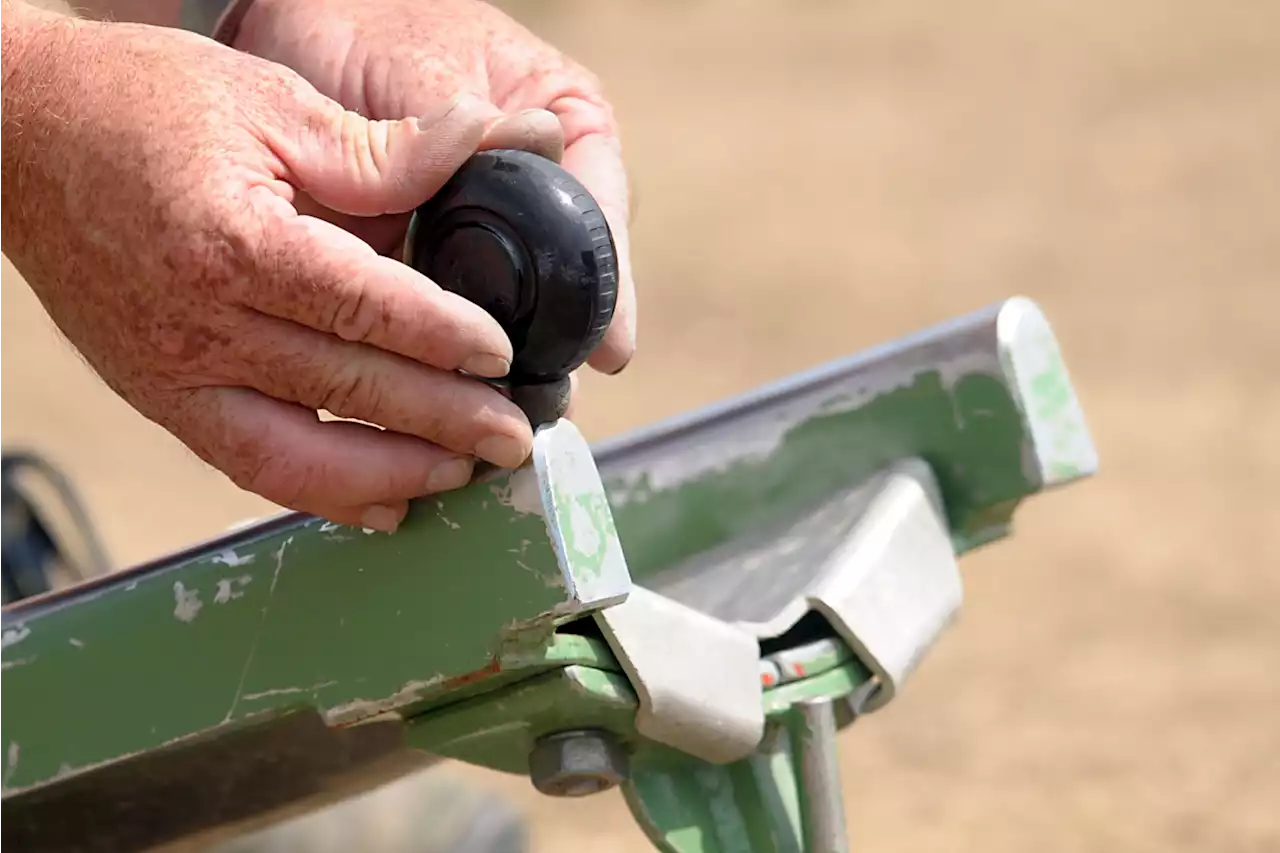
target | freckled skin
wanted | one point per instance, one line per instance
(389, 59)
(175, 204)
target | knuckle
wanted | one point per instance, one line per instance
(255, 466)
(448, 415)
(358, 315)
(251, 459)
(354, 393)
(373, 139)
(286, 87)
(277, 94)
(363, 143)
(252, 474)
(585, 112)
(451, 340)
(272, 475)
(590, 88)
(436, 422)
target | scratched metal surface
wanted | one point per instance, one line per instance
(1115, 159)
(985, 399)
(296, 612)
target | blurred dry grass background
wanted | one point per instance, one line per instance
(816, 177)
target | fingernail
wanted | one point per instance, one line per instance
(449, 475)
(378, 517)
(487, 365)
(501, 450)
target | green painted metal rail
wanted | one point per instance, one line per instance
(466, 631)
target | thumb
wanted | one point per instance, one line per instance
(369, 168)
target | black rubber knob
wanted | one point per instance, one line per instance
(519, 236)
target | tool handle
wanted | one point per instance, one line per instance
(519, 236)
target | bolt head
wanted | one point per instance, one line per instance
(577, 763)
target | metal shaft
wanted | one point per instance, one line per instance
(821, 802)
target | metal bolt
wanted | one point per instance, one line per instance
(577, 763)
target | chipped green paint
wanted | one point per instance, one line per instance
(684, 805)
(840, 681)
(960, 396)
(1051, 392)
(305, 614)
(1033, 357)
(519, 661)
(451, 620)
(969, 430)
(498, 730)
(579, 522)
(588, 528)
(750, 806)
(1052, 401)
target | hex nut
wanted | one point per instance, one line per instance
(577, 763)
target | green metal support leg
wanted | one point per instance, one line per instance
(686, 611)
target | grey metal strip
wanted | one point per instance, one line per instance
(698, 679)
(824, 822)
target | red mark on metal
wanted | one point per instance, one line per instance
(766, 679)
(467, 678)
(798, 669)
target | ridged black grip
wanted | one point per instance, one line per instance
(519, 236)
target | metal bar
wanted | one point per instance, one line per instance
(824, 824)
(760, 804)
(985, 400)
(302, 613)
(295, 614)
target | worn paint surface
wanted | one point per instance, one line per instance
(302, 612)
(751, 806)
(464, 598)
(1031, 356)
(684, 805)
(583, 531)
(688, 806)
(984, 400)
(498, 730)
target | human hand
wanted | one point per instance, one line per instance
(388, 59)
(150, 177)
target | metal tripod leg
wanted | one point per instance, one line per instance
(823, 810)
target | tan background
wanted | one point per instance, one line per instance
(817, 177)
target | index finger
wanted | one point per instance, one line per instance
(316, 274)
